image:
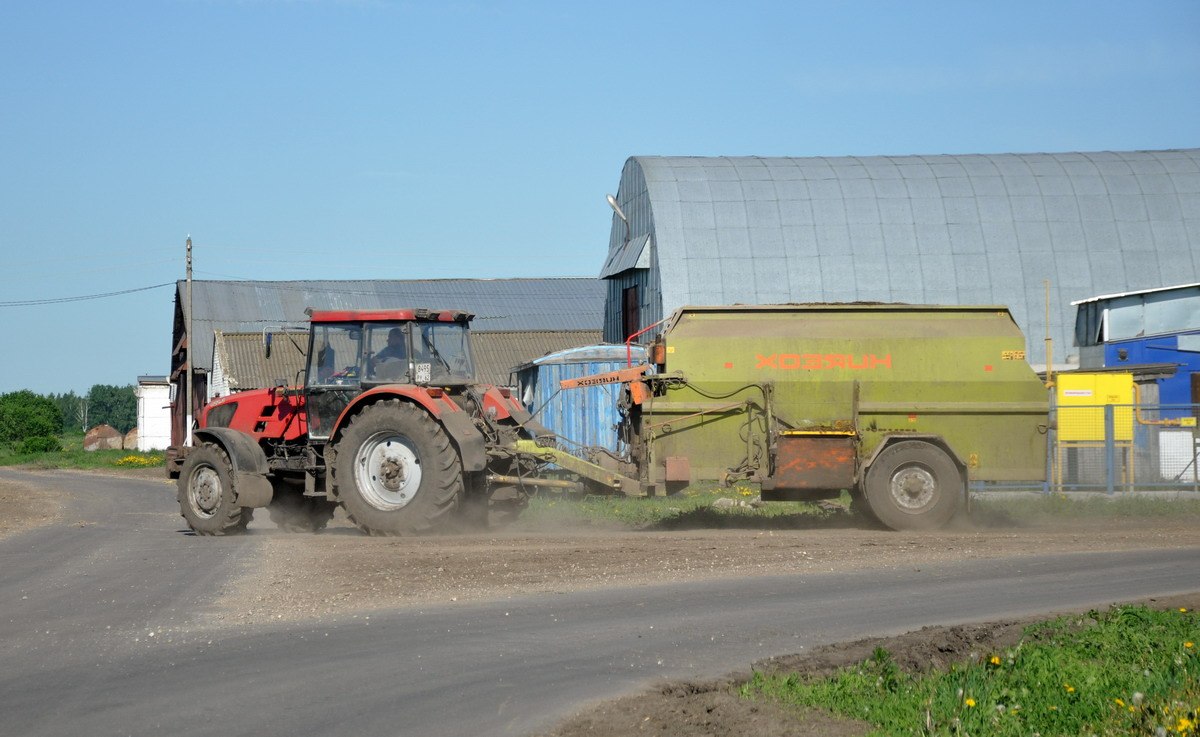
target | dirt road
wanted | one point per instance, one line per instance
(340, 570)
(340, 573)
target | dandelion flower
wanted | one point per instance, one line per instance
(1183, 610)
(1184, 725)
(995, 660)
(970, 703)
(1189, 644)
(1069, 687)
(1119, 702)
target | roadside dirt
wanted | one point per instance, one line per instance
(714, 708)
(341, 571)
(24, 507)
(304, 576)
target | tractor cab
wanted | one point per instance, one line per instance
(352, 351)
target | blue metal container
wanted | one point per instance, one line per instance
(580, 417)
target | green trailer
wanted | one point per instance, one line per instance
(902, 405)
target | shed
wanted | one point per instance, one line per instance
(583, 417)
(946, 229)
(153, 413)
(240, 361)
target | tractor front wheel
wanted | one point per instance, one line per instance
(206, 493)
(913, 485)
(396, 470)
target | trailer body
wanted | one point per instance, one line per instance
(804, 399)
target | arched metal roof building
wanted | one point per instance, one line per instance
(976, 229)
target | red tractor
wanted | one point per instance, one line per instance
(389, 423)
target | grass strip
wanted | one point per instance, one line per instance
(1130, 670)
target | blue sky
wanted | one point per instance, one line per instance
(303, 139)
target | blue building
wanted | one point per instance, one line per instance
(1153, 333)
(586, 417)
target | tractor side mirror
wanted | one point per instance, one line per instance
(267, 344)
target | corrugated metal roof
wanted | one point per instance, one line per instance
(498, 304)
(946, 229)
(246, 366)
(591, 354)
(633, 255)
(1134, 293)
(497, 354)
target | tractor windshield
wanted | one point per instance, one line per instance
(441, 353)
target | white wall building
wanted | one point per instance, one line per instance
(153, 413)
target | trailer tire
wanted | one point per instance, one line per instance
(396, 470)
(207, 495)
(913, 485)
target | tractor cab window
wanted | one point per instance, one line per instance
(335, 356)
(388, 352)
(441, 354)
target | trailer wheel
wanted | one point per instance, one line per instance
(207, 495)
(396, 471)
(913, 485)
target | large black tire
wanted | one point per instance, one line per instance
(207, 495)
(291, 511)
(913, 485)
(396, 471)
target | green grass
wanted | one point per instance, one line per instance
(1127, 671)
(74, 456)
(691, 508)
(1029, 508)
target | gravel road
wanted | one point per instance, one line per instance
(115, 620)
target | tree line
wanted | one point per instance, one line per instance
(32, 420)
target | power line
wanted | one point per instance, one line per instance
(82, 297)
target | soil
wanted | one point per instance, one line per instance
(24, 507)
(306, 576)
(714, 708)
(341, 571)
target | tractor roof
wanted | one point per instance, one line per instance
(389, 315)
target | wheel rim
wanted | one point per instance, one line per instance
(204, 491)
(913, 487)
(387, 471)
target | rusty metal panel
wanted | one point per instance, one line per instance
(815, 462)
(678, 469)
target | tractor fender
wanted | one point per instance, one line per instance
(250, 467)
(463, 433)
(468, 439)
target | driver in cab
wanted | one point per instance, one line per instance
(392, 361)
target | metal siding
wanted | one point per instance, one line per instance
(862, 218)
(498, 304)
(497, 354)
(583, 417)
(240, 362)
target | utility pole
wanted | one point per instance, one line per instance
(187, 431)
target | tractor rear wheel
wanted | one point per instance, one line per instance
(913, 485)
(207, 495)
(396, 471)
